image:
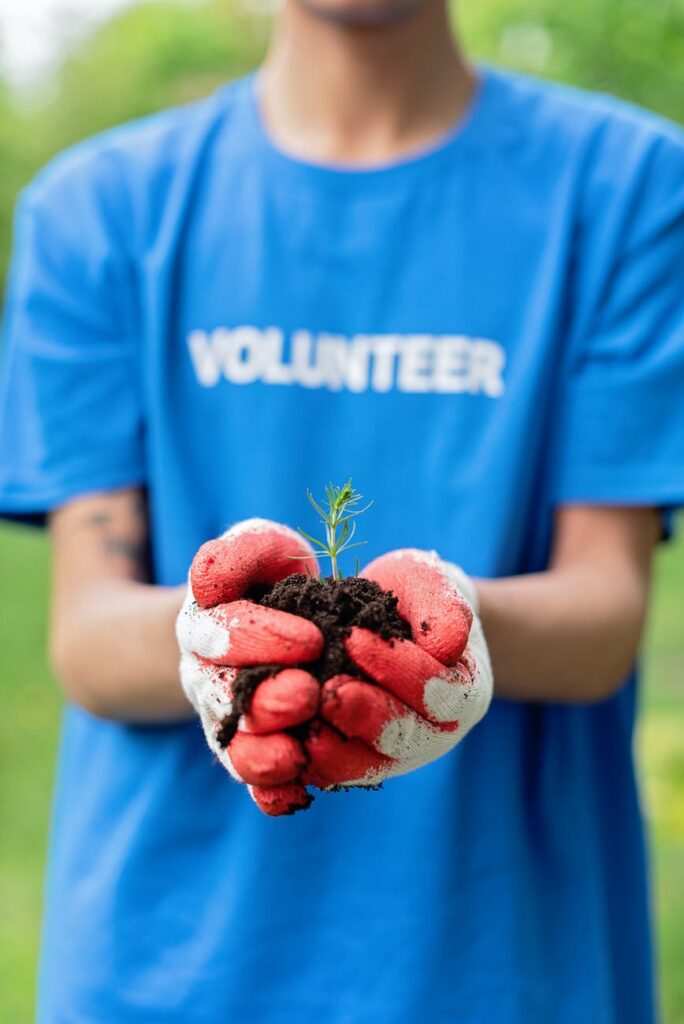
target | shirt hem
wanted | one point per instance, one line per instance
(31, 506)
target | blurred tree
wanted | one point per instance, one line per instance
(632, 48)
(17, 159)
(164, 52)
(148, 57)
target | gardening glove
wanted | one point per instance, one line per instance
(424, 696)
(220, 631)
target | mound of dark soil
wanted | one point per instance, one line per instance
(335, 607)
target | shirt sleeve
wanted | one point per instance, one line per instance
(622, 420)
(70, 409)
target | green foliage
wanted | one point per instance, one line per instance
(632, 48)
(152, 56)
(162, 53)
(337, 515)
(146, 58)
(18, 159)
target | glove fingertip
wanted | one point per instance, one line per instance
(336, 761)
(270, 760)
(445, 636)
(280, 701)
(280, 801)
(430, 597)
(213, 579)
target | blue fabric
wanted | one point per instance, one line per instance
(476, 334)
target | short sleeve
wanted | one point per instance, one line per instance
(70, 410)
(622, 420)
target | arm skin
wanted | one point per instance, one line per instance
(112, 641)
(568, 634)
(571, 634)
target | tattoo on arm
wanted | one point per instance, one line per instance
(99, 519)
(132, 550)
(124, 534)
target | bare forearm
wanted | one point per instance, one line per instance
(559, 636)
(112, 633)
(571, 634)
(117, 654)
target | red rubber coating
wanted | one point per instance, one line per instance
(222, 570)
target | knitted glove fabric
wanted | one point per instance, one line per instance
(424, 695)
(219, 632)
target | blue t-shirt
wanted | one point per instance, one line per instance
(475, 334)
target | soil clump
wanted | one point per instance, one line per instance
(335, 607)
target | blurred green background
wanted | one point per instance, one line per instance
(157, 54)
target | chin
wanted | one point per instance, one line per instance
(361, 13)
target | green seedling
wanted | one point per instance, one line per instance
(337, 514)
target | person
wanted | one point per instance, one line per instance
(463, 288)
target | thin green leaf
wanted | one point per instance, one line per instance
(356, 544)
(317, 507)
(313, 540)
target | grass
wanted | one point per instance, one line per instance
(661, 753)
(28, 738)
(28, 730)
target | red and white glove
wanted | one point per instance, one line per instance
(219, 632)
(425, 695)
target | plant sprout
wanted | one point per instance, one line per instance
(337, 512)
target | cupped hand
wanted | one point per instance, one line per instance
(410, 703)
(220, 631)
(412, 700)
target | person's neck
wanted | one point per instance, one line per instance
(331, 93)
